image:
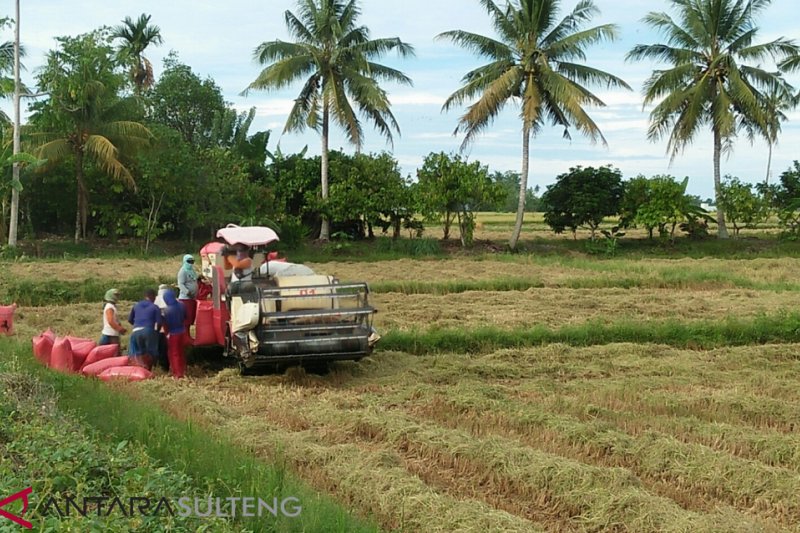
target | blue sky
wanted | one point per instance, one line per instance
(217, 40)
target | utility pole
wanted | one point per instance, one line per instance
(12, 227)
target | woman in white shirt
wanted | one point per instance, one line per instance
(112, 329)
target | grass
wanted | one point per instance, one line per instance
(705, 334)
(453, 278)
(189, 448)
(36, 293)
(80, 463)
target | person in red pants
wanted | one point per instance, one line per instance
(177, 338)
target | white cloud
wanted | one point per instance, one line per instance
(417, 98)
(269, 108)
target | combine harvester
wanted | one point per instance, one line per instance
(286, 314)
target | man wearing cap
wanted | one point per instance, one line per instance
(187, 285)
(112, 329)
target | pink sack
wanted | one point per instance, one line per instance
(131, 373)
(99, 353)
(50, 334)
(204, 324)
(99, 367)
(80, 351)
(42, 348)
(61, 356)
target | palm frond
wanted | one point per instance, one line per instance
(581, 14)
(54, 151)
(106, 156)
(298, 29)
(573, 46)
(305, 106)
(283, 73)
(278, 50)
(343, 113)
(377, 48)
(494, 98)
(382, 72)
(478, 44)
(585, 74)
(777, 50)
(478, 80)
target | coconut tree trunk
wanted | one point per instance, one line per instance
(14, 216)
(769, 163)
(523, 186)
(722, 231)
(80, 187)
(325, 230)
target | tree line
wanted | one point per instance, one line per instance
(585, 198)
(148, 157)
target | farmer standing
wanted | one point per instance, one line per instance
(112, 329)
(175, 328)
(146, 319)
(187, 284)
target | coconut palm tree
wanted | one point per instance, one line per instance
(532, 64)
(135, 37)
(715, 78)
(777, 101)
(84, 118)
(336, 59)
(99, 141)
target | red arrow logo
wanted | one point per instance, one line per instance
(23, 495)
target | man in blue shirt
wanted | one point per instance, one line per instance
(146, 319)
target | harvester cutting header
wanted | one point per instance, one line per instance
(268, 312)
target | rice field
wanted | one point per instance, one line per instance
(549, 437)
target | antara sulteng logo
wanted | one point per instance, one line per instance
(106, 506)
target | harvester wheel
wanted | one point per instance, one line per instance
(243, 370)
(228, 349)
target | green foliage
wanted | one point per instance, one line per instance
(135, 37)
(706, 334)
(368, 190)
(661, 203)
(611, 238)
(664, 207)
(637, 193)
(185, 103)
(582, 197)
(743, 207)
(508, 203)
(450, 189)
(292, 232)
(35, 293)
(84, 120)
(81, 463)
